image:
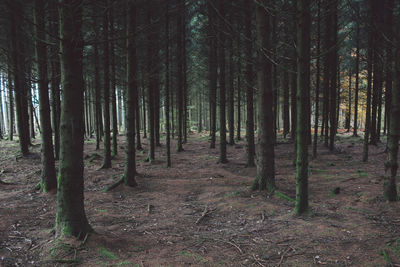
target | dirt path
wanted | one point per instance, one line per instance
(200, 213)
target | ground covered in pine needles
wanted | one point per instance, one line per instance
(201, 213)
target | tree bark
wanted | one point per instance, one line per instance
(303, 83)
(106, 91)
(48, 174)
(71, 218)
(265, 179)
(17, 58)
(222, 84)
(130, 157)
(250, 147)
(212, 72)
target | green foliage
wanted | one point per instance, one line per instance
(107, 254)
(281, 195)
(193, 256)
(233, 193)
(362, 173)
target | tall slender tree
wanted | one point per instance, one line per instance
(222, 84)
(130, 158)
(49, 181)
(250, 147)
(167, 93)
(71, 218)
(317, 80)
(212, 71)
(106, 90)
(265, 179)
(303, 84)
(16, 12)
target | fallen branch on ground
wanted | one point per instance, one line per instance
(205, 212)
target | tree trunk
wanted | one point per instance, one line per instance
(179, 92)
(285, 113)
(71, 218)
(151, 83)
(231, 92)
(130, 159)
(391, 164)
(239, 88)
(357, 73)
(106, 92)
(222, 85)
(333, 61)
(48, 175)
(113, 87)
(265, 179)
(348, 116)
(250, 147)
(369, 89)
(17, 58)
(317, 79)
(98, 112)
(167, 93)
(303, 78)
(212, 72)
(11, 104)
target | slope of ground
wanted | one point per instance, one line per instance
(201, 213)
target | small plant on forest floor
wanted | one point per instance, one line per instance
(312, 170)
(107, 254)
(233, 193)
(281, 195)
(362, 173)
(193, 256)
(393, 248)
(334, 191)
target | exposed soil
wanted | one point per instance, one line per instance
(201, 213)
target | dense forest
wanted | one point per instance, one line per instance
(199, 132)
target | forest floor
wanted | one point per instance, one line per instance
(201, 213)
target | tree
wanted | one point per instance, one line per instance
(369, 88)
(167, 93)
(212, 71)
(71, 218)
(55, 77)
(303, 85)
(113, 87)
(106, 92)
(10, 104)
(180, 28)
(357, 72)
(391, 165)
(250, 147)
(17, 47)
(333, 62)
(265, 179)
(130, 160)
(222, 85)
(317, 79)
(49, 181)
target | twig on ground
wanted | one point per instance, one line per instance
(236, 246)
(258, 261)
(282, 256)
(203, 214)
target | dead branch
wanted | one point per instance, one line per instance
(203, 214)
